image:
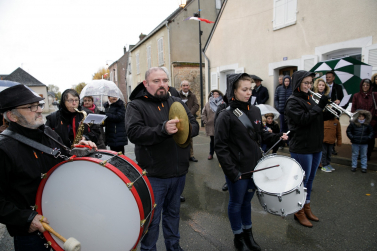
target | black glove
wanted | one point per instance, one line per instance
(323, 101)
(101, 112)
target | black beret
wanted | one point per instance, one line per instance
(255, 77)
(16, 96)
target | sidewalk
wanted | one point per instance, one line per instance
(344, 156)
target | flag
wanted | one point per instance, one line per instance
(199, 19)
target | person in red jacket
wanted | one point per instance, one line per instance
(366, 99)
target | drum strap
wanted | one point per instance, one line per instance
(33, 144)
(246, 122)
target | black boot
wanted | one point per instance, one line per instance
(239, 242)
(249, 240)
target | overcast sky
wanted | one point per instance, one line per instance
(64, 42)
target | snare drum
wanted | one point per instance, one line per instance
(103, 200)
(281, 189)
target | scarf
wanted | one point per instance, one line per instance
(185, 93)
(215, 102)
(92, 108)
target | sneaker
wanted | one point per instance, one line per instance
(353, 169)
(331, 168)
(326, 169)
(364, 170)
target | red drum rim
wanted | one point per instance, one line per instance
(42, 184)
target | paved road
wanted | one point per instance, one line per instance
(344, 201)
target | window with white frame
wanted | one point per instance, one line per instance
(137, 63)
(111, 76)
(149, 61)
(160, 49)
(285, 13)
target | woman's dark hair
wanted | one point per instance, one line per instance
(72, 92)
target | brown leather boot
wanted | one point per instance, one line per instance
(309, 214)
(301, 217)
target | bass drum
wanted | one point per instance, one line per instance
(103, 200)
(281, 189)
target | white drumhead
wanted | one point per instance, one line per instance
(287, 176)
(89, 202)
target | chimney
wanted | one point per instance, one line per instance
(124, 49)
(142, 36)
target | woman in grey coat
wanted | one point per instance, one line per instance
(215, 98)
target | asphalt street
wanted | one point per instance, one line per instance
(344, 201)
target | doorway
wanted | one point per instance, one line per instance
(288, 71)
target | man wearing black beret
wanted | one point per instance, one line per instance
(21, 166)
(259, 91)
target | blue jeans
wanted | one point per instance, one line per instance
(363, 155)
(29, 243)
(309, 163)
(167, 194)
(239, 207)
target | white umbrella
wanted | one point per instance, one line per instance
(102, 88)
(264, 109)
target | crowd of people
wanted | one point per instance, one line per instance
(238, 137)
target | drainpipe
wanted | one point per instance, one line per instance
(208, 74)
(170, 65)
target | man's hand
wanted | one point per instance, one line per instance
(284, 137)
(2, 128)
(36, 224)
(337, 101)
(88, 143)
(171, 126)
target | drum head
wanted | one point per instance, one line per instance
(89, 202)
(287, 176)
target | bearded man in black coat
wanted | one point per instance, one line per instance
(149, 128)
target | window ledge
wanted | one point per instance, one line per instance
(283, 26)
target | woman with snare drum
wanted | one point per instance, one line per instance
(305, 122)
(238, 152)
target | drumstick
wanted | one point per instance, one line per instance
(69, 245)
(260, 169)
(275, 144)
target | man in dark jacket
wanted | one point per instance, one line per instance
(281, 96)
(260, 92)
(149, 128)
(191, 101)
(116, 136)
(21, 166)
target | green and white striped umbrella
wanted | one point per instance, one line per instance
(348, 72)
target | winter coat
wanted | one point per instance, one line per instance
(208, 116)
(115, 124)
(101, 137)
(174, 92)
(156, 150)
(275, 129)
(337, 92)
(236, 151)
(304, 117)
(66, 123)
(20, 174)
(332, 132)
(360, 133)
(282, 94)
(191, 101)
(261, 94)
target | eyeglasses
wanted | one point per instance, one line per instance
(87, 100)
(33, 108)
(307, 83)
(72, 100)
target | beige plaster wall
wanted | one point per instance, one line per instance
(42, 90)
(142, 49)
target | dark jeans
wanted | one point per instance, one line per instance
(239, 208)
(326, 154)
(167, 194)
(309, 163)
(283, 127)
(117, 148)
(212, 145)
(29, 243)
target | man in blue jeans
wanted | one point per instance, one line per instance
(149, 128)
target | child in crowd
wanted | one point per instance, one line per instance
(332, 133)
(359, 132)
(272, 127)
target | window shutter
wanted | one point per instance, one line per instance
(160, 51)
(279, 13)
(149, 57)
(372, 56)
(214, 81)
(137, 64)
(291, 9)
